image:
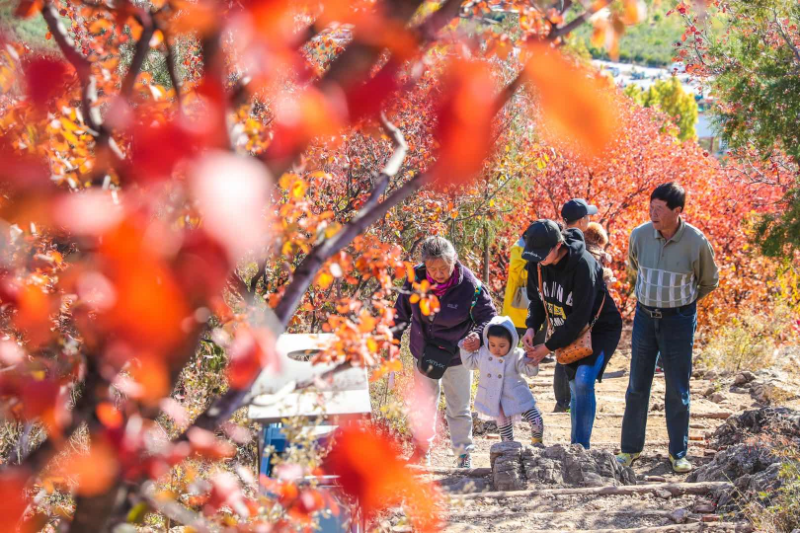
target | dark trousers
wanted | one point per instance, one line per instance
(561, 387)
(673, 337)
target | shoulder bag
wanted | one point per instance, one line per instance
(580, 347)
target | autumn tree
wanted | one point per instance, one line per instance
(752, 65)
(247, 182)
(669, 97)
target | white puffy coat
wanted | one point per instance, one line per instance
(501, 381)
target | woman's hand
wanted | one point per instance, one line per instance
(472, 342)
(527, 339)
(539, 352)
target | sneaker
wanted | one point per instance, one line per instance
(536, 440)
(560, 409)
(548, 359)
(627, 459)
(464, 461)
(680, 466)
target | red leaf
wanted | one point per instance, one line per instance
(12, 500)
(253, 350)
(465, 121)
(46, 78)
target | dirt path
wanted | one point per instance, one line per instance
(592, 512)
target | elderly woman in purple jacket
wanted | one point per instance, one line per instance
(465, 308)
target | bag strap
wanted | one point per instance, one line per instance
(541, 297)
(599, 310)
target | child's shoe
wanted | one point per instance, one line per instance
(536, 440)
(464, 461)
(627, 459)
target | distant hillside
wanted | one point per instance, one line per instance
(651, 43)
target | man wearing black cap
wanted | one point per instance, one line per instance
(576, 213)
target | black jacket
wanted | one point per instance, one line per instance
(573, 289)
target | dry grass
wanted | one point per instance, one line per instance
(748, 342)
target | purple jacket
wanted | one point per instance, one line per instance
(452, 323)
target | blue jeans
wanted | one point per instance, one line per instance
(583, 403)
(673, 337)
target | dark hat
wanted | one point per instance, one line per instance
(577, 208)
(541, 237)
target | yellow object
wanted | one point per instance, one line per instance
(517, 277)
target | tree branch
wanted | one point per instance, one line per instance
(142, 48)
(82, 66)
(577, 21)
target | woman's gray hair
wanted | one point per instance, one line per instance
(436, 247)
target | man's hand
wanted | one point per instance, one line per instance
(472, 342)
(537, 353)
(527, 339)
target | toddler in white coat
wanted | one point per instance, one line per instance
(503, 394)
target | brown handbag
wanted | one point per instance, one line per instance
(580, 347)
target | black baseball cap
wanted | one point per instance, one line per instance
(541, 237)
(577, 208)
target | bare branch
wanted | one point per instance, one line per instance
(786, 39)
(142, 48)
(577, 21)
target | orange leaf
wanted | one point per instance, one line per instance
(95, 471)
(425, 306)
(33, 314)
(635, 11)
(576, 105)
(465, 121)
(28, 8)
(109, 415)
(354, 458)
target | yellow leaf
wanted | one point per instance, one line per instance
(324, 280)
(425, 307)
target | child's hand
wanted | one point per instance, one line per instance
(472, 342)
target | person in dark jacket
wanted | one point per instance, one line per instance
(465, 308)
(573, 290)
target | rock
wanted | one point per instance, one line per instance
(754, 470)
(717, 397)
(773, 389)
(711, 375)
(711, 389)
(780, 422)
(679, 516)
(512, 448)
(743, 377)
(515, 467)
(657, 406)
(704, 507)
